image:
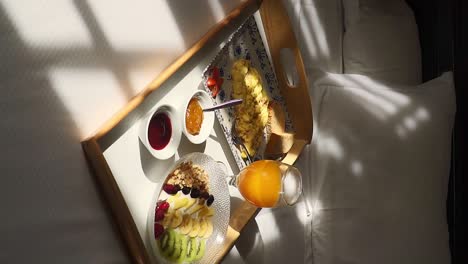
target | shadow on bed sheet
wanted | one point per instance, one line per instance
(48, 191)
(48, 194)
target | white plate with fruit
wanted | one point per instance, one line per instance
(189, 215)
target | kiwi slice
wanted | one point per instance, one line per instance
(201, 249)
(177, 247)
(168, 249)
(192, 249)
(183, 249)
(163, 241)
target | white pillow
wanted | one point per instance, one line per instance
(380, 167)
(381, 41)
(318, 25)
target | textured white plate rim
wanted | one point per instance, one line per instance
(216, 239)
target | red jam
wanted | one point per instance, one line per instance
(159, 131)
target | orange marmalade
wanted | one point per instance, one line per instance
(194, 117)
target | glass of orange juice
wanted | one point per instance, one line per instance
(269, 183)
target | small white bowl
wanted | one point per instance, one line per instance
(170, 149)
(208, 117)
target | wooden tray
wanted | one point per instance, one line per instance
(279, 35)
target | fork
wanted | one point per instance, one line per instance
(239, 142)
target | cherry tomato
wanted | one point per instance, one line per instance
(214, 90)
(214, 82)
(210, 82)
(215, 73)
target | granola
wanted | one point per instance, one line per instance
(189, 175)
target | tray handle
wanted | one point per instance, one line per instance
(282, 43)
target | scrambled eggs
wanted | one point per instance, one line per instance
(252, 114)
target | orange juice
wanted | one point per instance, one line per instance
(260, 183)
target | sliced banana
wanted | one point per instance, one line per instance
(186, 225)
(206, 212)
(171, 199)
(197, 207)
(181, 202)
(176, 219)
(195, 229)
(167, 219)
(209, 230)
(191, 202)
(203, 228)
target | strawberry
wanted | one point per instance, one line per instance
(164, 206)
(159, 215)
(171, 189)
(158, 230)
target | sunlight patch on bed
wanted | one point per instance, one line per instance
(131, 26)
(386, 103)
(315, 35)
(219, 8)
(422, 114)
(268, 228)
(377, 101)
(330, 146)
(57, 24)
(97, 88)
(356, 168)
(401, 131)
(316, 208)
(142, 74)
(412, 121)
(382, 90)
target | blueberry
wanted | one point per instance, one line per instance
(195, 193)
(186, 190)
(205, 195)
(210, 200)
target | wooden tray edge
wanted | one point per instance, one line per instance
(279, 34)
(119, 208)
